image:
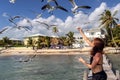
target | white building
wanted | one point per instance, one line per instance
(91, 34)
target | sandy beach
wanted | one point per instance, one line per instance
(29, 51)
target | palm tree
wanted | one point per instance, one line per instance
(116, 34)
(31, 42)
(55, 30)
(109, 21)
(47, 41)
(5, 41)
(70, 38)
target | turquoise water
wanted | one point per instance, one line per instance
(61, 67)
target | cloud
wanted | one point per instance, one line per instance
(70, 24)
(116, 8)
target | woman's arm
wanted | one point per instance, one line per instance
(85, 37)
(94, 63)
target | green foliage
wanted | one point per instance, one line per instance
(109, 21)
(70, 38)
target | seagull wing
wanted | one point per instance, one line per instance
(56, 2)
(15, 17)
(62, 8)
(73, 3)
(1, 31)
(86, 7)
(12, 21)
(48, 26)
(47, 6)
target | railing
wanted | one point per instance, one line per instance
(117, 72)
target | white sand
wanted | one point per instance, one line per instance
(30, 51)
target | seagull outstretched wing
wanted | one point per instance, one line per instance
(62, 8)
(73, 3)
(4, 29)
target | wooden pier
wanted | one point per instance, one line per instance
(107, 66)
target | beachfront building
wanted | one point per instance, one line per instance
(10, 41)
(41, 41)
(16, 41)
(91, 34)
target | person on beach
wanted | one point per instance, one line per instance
(96, 57)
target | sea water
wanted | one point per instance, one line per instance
(42, 67)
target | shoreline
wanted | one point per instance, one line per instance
(29, 51)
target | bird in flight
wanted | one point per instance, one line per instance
(4, 29)
(52, 8)
(22, 27)
(13, 18)
(76, 7)
(47, 25)
(12, 1)
(28, 21)
(28, 59)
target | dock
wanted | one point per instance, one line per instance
(107, 66)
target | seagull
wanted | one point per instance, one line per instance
(52, 8)
(15, 17)
(28, 59)
(48, 26)
(22, 27)
(12, 1)
(11, 19)
(76, 7)
(28, 21)
(21, 60)
(4, 29)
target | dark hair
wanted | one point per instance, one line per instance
(98, 46)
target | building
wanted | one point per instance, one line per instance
(52, 40)
(16, 41)
(91, 34)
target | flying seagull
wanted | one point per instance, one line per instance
(12, 1)
(28, 59)
(47, 25)
(22, 27)
(28, 21)
(76, 7)
(11, 19)
(52, 8)
(4, 29)
(15, 17)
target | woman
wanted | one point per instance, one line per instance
(96, 59)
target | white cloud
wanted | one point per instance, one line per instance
(116, 8)
(70, 24)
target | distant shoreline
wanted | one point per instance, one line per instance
(29, 51)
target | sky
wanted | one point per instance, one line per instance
(64, 21)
